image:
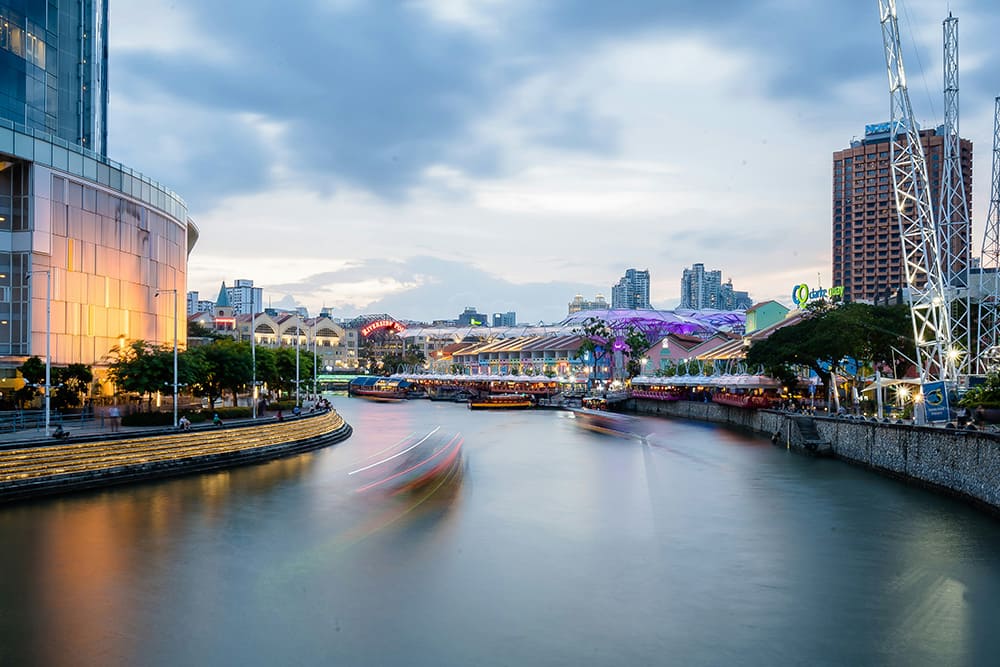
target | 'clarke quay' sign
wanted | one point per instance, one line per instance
(382, 325)
(801, 294)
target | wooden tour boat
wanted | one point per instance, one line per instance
(501, 402)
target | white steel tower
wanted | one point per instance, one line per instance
(926, 294)
(988, 327)
(953, 212)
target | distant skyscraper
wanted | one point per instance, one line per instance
(701, 289)
(579, 304)
(245, 297)
(470, 317)
(632, 291)
(867, 252)
(508, 319)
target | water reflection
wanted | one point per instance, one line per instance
(548, 544)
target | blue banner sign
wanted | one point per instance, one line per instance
(801, 294)
(936, 402)
(876, 128)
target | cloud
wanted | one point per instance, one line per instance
(336, 146)
(426, 288)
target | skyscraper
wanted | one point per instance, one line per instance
(244, 297)
(867, 251)
(632, 291)
(54, 68)
(701, 289)
(101, 247)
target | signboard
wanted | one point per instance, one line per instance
(936, 402)
(801, 294)
(382, 325)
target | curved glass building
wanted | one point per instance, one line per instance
(86, 238)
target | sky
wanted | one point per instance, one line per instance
(416, 157)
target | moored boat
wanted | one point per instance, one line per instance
(379, 388)
(501, 402)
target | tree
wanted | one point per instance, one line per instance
(33, 372)
(142, 368)
(70, 384)
(225, 365)
(597, 336)
(829, 336)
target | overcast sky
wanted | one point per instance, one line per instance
(419, 156)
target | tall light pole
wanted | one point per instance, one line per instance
(174, 292)
(298, 332)
(253, 352)
(48, 336)
(315, 367)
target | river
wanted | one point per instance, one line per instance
(559, 546)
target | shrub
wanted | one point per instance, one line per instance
(281, 405)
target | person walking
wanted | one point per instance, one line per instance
(113, 416)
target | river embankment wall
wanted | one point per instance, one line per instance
(960, 462)
(33, 469)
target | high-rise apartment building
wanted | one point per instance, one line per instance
(632, 291)
(508, 319)
(101, 247)
(701, 289)
(579, 304)
(244, 297)
(867, 251)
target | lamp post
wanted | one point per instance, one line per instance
(315, 366)
(253, 354)
(298, 335)
(48, 336)
(174, 292)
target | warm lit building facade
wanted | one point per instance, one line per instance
(867, 250)
(91, 238)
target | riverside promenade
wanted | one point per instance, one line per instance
(33, 465)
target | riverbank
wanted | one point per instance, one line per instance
(957, 462)
(42, 467)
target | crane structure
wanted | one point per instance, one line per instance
(988, 322)
(926, 294)
(954, 228)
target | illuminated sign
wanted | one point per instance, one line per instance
(876, 128)
(801, 294)
(382, 325)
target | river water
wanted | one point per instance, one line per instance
(559, 546)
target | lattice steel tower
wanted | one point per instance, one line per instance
(926, 294)
(988, 327)
(954, 228)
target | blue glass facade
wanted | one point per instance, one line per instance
(54, 68)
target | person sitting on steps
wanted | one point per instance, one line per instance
(60, 433)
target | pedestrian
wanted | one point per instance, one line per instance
(113, 416)
(184, 423)
(216, 420)
(280, 416)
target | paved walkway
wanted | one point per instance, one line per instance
(98, 427)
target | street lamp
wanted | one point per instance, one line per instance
(298, 335)
(253, 352)
(48, 336)
(174, 292)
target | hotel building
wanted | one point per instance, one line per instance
(82, 236)
(867, 251)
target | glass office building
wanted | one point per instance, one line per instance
(54, 68)
(83, 236)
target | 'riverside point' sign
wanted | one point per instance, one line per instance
(801, 294)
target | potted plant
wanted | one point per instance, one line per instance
(983, 400)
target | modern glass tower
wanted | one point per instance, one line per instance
(54, 68)
(632, 291)
(84, 239)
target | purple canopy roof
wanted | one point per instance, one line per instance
(658, 323)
